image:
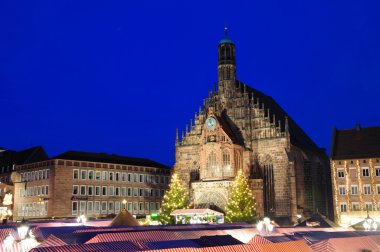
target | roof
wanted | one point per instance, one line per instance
(226, 40)
(109, 158)
(205, 211)
(124, 218)
(317, 218)
(355, 143)
(297, 136)
(31, 155)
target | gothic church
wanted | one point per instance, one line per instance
(240, 128)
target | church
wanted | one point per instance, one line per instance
(241, 128)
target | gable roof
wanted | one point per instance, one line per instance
(356, 143)
(297, 136)
(109, 158)
(31, 155)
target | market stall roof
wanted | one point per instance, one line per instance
(205, 211)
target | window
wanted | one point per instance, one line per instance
(129, 192)
(89, 207)
(124, 177)
(136, 178)
(98, 175)
(157, 206)
(83, 174)
(90, 191)
(111, 191)
(74, 207)
(104, 207)
(123, 191)
(90, 175)
(147, 192)
(117, 191)
(152, 193)
(104, 191)
(157, 179)
(146, 207)
(367, 189)
(152, 206)
(129, 177)
(117, 207)
(162, 192)
(212, 167)
(82, 190)
(377, 170)
(141, 207)
(135, 207)
(157, 193)
(354, 190)
(340, 173)
(135, 192)
(111, 176)
(342, 190)
(368, 206)
(141, 178)
(355, 206)
(97, 190)
(117, 176)
(365, 172)
(141, 194)
(343, 207)
(75, 174)
(97, 207)
(110, 207)
(378, 189)
(130, 207)
(75, 190)
(104, 176)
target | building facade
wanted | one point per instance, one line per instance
(355, 168)
(240, 128)
(93, 184)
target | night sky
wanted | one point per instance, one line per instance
(120, 76)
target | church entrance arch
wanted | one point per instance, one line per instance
(212, 200)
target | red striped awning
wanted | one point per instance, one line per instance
(148, 236)
(347, 244)
(258, 239)
(52, 241)
(294, 246)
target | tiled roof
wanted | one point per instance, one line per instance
(109, 158)
(356, 143)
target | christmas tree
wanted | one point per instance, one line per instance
(241, 204)
(175, 198)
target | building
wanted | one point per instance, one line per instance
(93, 184)
(9, 159)
(355, 169)
(241, 128)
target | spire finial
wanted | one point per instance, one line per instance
(225, 31)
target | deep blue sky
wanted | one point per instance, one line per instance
(121, 76)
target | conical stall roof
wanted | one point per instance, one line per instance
(124, 218)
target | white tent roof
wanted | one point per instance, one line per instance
(205, 211)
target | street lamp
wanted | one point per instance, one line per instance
(265, 225)
(82, 219)
(125, 203)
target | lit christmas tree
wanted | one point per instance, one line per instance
(175, 198)
(241, 206)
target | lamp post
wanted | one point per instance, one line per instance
(124, 204)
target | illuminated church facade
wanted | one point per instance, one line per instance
(240, 128)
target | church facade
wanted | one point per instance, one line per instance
(240, 128)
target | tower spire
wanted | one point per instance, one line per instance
(225, 31)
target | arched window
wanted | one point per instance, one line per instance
(212, 166)
(227, 169)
